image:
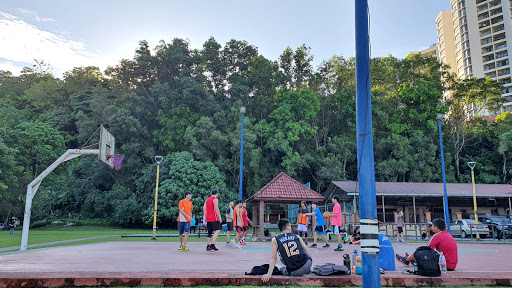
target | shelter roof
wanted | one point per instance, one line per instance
(426, 189)
(285, 189)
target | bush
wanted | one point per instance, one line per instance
(75, 222)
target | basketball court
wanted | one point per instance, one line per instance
(160, 263)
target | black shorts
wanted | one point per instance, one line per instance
(212, 227)
(229, 226)
(400, 229)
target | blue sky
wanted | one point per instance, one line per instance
(67, 34)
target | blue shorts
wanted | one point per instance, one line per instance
(320, 229)
(183, 227)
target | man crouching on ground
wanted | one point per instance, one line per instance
(293, 252)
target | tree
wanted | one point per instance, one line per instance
(468, 98)
(186, 174)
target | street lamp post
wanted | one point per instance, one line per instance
(472, 166)
(242, 111)
(158, 159)
(445, 198)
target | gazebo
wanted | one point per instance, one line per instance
(281, 190)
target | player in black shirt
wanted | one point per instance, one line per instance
(293, 252)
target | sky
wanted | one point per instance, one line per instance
(68, 34)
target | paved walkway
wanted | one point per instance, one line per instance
(160, 263)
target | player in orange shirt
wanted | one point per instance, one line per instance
(184, 219)
(302, 222)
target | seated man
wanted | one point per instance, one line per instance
(442, 241)
(293, 252)
(355, 238)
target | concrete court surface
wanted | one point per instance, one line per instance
(157, 262)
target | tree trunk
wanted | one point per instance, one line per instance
(504, 168)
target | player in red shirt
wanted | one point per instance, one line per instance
(442, 241)
(246, 221)
(213, 219)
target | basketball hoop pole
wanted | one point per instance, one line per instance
(34, 185)
(158, 159)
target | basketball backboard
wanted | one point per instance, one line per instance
(107, 146)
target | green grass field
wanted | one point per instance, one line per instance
(61, 233)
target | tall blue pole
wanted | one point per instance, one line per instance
(242, 111)
(445, 199)
(366, 176)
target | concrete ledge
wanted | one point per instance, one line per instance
(95, 279)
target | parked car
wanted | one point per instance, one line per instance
(497, 224)
(466, 227)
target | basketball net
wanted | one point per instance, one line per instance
(117, 159)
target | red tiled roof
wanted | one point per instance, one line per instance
(283, 187)
(431, 189)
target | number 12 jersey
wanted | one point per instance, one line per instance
(291, 252)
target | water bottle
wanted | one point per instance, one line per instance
(442, 262)
(354, 256)
(346, 262)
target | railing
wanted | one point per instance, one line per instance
(414, 232)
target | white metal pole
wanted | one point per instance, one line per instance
(32, 188)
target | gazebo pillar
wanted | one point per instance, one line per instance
(254, 218)
(262, 220)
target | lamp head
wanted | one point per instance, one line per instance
(439, 117)
(159, 159)
(471, 165)
(242, 110)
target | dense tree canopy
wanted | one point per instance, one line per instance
(185, 104)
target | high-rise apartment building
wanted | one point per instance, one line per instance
(475, 39)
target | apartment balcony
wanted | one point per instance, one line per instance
(482, 8)
(485, 33)
(487, 50)
(489, 68)
(480, 1)
(486, 41)
(501, 55)
(494, 4)
(504, 72)
(505, 81)
(491, 75)
(484, 24)
(498, 29)
(501, 46)
(502, 64)
(488, 58)
(483, 16)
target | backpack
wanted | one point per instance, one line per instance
(267, 234)
(329, 269)
(428, 262)
(262, 270)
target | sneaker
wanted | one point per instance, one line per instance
(313, 245)
(208, 248)
(339, 248)
(326, 246)
(306, 243)
(181, 247)
(397, 241)
(229, 244)
(243, 242)
(237, 246)
(233, 241)
(403, 241)
(213, 248)
(185, 248)
(402, 259)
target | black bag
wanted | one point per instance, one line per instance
(266, 233)
(262, 270)
(428, 262)
(329, 269)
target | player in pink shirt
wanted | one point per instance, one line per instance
(336, 221)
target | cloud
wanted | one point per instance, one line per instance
(33, 15)
(23, 42)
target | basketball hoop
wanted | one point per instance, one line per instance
(117, 159)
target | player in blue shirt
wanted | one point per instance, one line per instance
(320, 225)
